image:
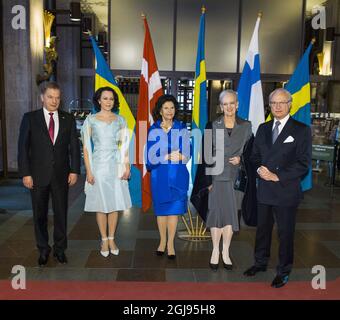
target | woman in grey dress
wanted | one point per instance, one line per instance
(230, 134)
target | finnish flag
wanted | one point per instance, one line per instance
(249, 90)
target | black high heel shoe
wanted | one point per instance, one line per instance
(159, 252)
(171, 256)
(228, 266)
(213, 266)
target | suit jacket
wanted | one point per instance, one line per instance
(289, 161)
(169, 181)
(39, 158)
(231, 146)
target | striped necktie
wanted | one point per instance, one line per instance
(275, 132)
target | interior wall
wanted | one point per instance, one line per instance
(174, 26)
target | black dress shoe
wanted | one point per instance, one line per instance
(213, 266)
(61, 257)
(253, 270)
(279, 281)
(43, 258)
(159, 253)
(171, 256)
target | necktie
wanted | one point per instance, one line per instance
(51, 127)
(275, 132)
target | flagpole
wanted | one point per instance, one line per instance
(194, 228)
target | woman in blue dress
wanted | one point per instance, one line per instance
(105, 140)
(168, 151)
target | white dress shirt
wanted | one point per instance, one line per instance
(56, 122)
(282, 121)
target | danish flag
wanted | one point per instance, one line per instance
(150, 89)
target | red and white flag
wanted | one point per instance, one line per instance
(150, 89)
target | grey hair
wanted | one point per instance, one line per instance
(281, 90)
(225, 92)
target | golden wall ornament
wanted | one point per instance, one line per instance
(48, 22)
(50, 51)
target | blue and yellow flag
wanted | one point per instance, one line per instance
(105, 78)
(200, 109)
(299, 87)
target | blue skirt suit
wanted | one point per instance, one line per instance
(169, 180)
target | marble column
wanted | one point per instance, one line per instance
(23, 57)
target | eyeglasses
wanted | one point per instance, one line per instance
(281, 103)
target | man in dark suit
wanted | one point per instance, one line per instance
(282, 155)
(49, 162)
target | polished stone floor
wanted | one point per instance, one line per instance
(317, 242)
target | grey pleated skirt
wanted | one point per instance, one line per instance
(223, 206)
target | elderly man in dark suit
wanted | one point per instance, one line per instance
(282, 155)
(49, 162)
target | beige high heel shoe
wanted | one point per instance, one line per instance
(105, 254)
(116, 251)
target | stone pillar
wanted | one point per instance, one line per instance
(68, 48)
(23, 54)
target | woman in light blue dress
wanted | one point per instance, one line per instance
(106, 140)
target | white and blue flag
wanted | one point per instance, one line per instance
(250, 88)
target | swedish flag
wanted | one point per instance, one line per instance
(200, 109)
(299, 87)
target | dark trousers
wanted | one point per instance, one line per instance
(40, 199)
(285, 220)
